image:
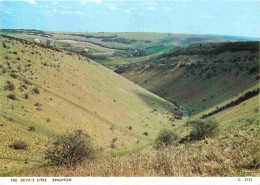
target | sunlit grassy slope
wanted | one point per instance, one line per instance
(74, 93)
(201, 76)
(234, 151)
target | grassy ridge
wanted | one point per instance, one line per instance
(54, 91)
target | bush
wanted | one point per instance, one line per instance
(70, 149)
(27, 82)
(12, 97)
(9, 86)
(36, 90)
(14, 76)
(166, 137)
(26, 96)
(31, 128)
(112, 144)
(37, 104)
(19, 145)
(203, 128)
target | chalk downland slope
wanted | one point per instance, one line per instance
(234, 151)
(201, 76)
(45, 92)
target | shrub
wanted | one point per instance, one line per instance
(27, 82)
(36, 90)
(9, 86)
(166, 137)
(19, 145)
(203, 128)
(14, 76)
(112, 145)
(70, 149)
(37, 104)
(26, 96)
(11, 96)
(31, 128)
(112, 128)
(114, 139)
(23, 86)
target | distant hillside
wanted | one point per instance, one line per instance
(115, 49)
(46, 91)
(201, 76)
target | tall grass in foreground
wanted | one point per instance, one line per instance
(205, 158)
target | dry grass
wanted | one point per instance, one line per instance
(207, 158)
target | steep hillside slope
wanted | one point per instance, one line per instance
(46, 91)
(201, 76)
(234, 151)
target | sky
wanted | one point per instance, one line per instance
(220, 17)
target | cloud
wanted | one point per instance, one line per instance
(31, 1)
(28, 1)
(85, 1)
(128, 11)
(152, 8)
(78, 12)
(111, 7)
(66, 12)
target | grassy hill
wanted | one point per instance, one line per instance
(201, 76)
(115, 49)
(46, 91)
(233, 152)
